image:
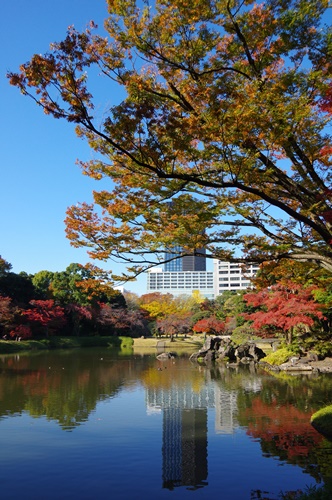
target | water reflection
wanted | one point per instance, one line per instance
(273, 409)
(184, 447)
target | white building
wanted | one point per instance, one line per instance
(181, 282)
(232, 276)
(210, 284)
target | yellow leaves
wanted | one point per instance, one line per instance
(160, 306)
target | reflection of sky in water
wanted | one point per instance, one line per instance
(143, 440)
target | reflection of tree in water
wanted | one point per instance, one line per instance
(284, 431)
(65, 387)
(279, 416)
(276, 409)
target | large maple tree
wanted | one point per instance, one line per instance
(285, 308)
(224, 112)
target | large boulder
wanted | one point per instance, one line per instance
(218, 348)
(226, 350)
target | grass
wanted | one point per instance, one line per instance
(177, 342)
(11, 346)
(322, 421)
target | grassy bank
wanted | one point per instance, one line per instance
(192, 342)
(9, 346)
(176, 343)
(322, 421)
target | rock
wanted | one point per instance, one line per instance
(226, 351)
(218, 348)
(166, 355)
(309, 358)
(256, 353)
(242, 351)
(297, 367)
(323, 369)
(246, 360)
(208, 344)
(273, 368)
(210, 356)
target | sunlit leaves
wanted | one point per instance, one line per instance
(225, 113)
(4, 266)
(283, 308)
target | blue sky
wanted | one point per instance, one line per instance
(39, 177)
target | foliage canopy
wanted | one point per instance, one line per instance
(225, 113)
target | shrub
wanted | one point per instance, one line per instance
(279, 357)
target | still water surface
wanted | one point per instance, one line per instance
(95, 424)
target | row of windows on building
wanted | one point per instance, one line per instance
(225, 276)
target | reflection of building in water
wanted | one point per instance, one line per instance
(184, 434)
(185, 429)
(184, 448)
(226, 410)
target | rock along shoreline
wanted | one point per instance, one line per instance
(221, 349)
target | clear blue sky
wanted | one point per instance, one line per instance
(39, 178)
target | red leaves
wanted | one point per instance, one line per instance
(287, 429)
(283, 307)
(21, 332)
(326, 102)
(46, 314)
(62, 71)
(210, 325)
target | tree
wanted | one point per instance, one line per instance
(212, 326)
(160, 305)
(21, 332)
(120, 321)
(326, 102)
(7, 315)
(77, 315)
(225, 114)
(45, 315)
(174, 324)
(283, 308)
(83, 286)
(5, 266)
(18, 287)
(42, 282)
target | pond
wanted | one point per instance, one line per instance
(95, 423)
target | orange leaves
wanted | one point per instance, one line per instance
(218, 102)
